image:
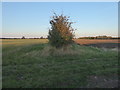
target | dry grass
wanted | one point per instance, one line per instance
(49, 50)
(21, 42)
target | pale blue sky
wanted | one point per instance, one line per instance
(31, 19)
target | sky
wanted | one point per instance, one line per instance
(31, 19)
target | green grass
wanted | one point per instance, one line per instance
(25, 66)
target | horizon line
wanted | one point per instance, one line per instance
(74, 37)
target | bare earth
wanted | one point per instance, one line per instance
(103, 81)
(107, 44)
(95, 41)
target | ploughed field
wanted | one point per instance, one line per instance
(100, 43)
(96, 41)
(33, 63)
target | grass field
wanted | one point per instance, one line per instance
(29, 64)
(21, 42)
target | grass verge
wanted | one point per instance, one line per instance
(35, 66)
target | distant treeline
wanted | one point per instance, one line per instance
(24, 38)
(100, 37)
(97, 37)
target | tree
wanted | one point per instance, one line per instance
(41, 37)
(61, 32)
(23, 37)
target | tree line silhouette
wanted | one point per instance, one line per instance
(23, 37)
(100, 37)
(96, 37)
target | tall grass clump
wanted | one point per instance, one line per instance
(53, 51)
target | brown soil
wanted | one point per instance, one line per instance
(104, 45)
(96, 41)
(99, 43)
(103, 81)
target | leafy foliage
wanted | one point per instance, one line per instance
(23, 37)
(61, 32)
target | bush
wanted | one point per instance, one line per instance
(23, 37)
(61, 32)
